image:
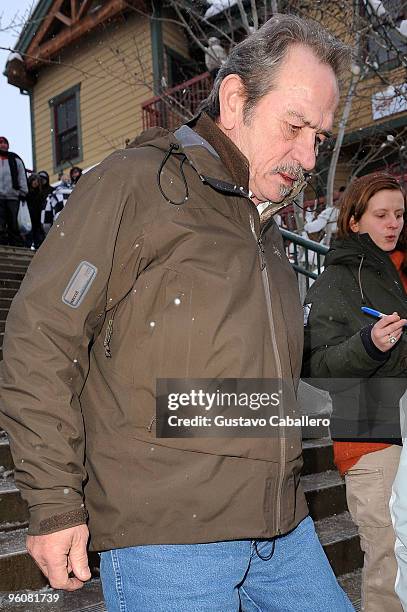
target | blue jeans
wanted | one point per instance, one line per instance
(224, 577)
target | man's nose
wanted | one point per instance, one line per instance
(305, 154)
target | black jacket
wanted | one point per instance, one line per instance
(365, 384)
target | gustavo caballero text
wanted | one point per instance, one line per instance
(222, 421)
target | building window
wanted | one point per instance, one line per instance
(66, 132)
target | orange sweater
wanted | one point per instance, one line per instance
(346, 454)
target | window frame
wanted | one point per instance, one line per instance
(54, 102)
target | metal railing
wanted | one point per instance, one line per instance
(306, 257)
(177, 104)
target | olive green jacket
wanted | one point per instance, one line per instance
(177, 285)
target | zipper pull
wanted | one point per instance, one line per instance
(261, 251)
(109, 333)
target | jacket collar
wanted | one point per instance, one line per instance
(232, 173)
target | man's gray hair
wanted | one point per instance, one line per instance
(257, 59)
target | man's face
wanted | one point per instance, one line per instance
(280, 138)
(3, 145)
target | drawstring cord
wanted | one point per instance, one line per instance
(268, 556)
(360, 279)
(160, 169)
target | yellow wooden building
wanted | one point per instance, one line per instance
(98, 71)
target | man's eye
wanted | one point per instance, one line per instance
(293, 129)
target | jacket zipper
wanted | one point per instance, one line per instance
(267, 293)
(109, 332)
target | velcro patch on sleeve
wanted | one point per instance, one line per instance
(79, 284)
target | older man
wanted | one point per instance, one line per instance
(161, 267)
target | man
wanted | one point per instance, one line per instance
(13, 187)
(160, 267)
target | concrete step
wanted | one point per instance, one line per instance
(318, 456)
(5, 454)
(339, 537)
(351, 584)
(5, 302)
(3, 314)
(12, 506)
(8, 292)
(87, 599)
(19, 251)
(325, 493)
(12, 275)
(17, 570)
(10, 284)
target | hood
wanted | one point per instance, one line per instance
(201, 155)
(352, 249)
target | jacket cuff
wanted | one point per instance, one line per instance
(370, 347)
(58, 522)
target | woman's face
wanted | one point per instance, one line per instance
(382, 219)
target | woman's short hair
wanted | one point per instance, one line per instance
(357, 195)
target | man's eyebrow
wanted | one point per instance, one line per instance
(300, 117)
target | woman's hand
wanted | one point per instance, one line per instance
(387, 331)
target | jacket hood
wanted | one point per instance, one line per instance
(352, 249)
(202, 156)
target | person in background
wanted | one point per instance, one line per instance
(55, 202)
(36, 199)
(13, 187)
(45, 186)
(75, 174)
(323, 227)
(215, 56)
(364, 268)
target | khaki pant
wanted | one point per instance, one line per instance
(368, 490)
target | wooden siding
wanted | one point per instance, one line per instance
(113, 67)
(174, 37)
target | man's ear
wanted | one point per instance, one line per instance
(231, 100)
(354, 226)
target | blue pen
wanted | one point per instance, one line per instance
(375, 313)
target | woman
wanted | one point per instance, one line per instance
(362, 361)
(36, 198)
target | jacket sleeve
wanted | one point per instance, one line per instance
(22, 178)
(330, 350)
(50, 325)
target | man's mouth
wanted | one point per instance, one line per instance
(287, 178)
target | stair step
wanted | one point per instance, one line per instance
(339, 537)
(351, 584)
(325, 494)
(17, 570)
(318, 456)
(87, 599)
(5, 454)
(12, 275)
(3, 314)
(7, 293)
(5, 302)
(10, 284)
(12, 505)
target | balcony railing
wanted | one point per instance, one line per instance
(177, 104)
